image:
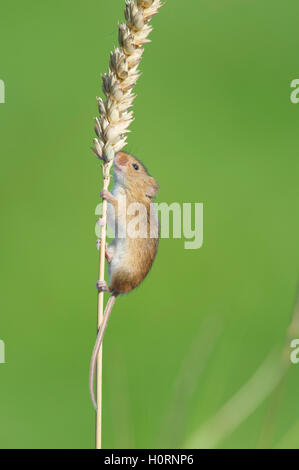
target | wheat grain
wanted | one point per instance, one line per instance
(115, 114)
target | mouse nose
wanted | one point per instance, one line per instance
(121, 158)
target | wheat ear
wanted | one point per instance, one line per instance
(115, 115)
(112, 125)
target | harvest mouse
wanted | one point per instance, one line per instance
(130, 255)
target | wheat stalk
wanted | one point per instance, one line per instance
(112, 125)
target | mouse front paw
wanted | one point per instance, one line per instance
(105, 194)
(101, 221)
(107, 256)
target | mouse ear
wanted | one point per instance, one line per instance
(152, 188)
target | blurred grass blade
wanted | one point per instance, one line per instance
(241, 405)
(260, 386)
(187, 380)
(291, 439)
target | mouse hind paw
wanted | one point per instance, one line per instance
(102, 286)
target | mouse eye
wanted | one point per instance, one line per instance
(135, 166)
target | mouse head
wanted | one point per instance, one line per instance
(132, 175)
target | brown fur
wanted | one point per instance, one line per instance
(124, 280)
(133, 256)
(139, 253)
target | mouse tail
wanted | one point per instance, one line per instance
(97, 346)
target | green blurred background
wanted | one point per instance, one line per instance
(214, 124)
